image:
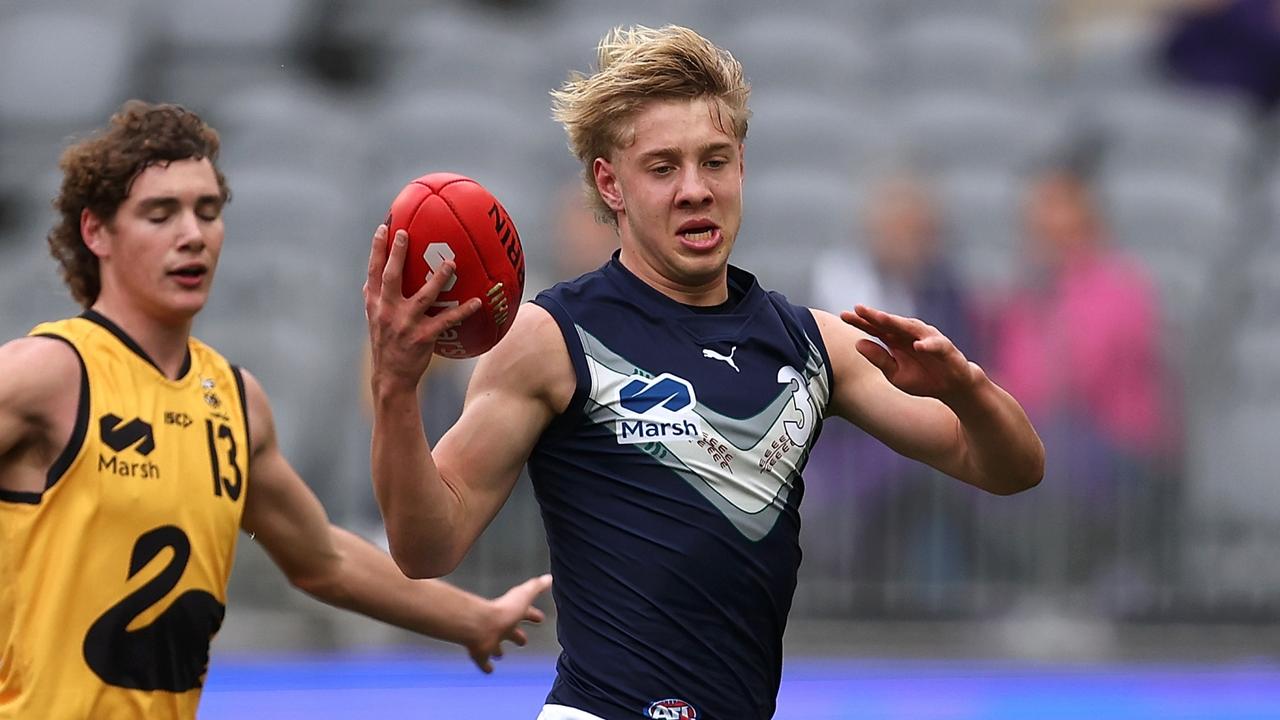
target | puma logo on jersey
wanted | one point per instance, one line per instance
(727, 359)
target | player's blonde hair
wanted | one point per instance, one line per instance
(637, 65)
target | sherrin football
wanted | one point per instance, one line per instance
(452, 217)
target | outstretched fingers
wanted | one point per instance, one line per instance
(885, 325)
(426, 296)
(530, 589)
(936, 344)
(853, 318)
(377, 261)
(393, 268)
(876, 354)
(534, 615)
(514, 608)
(454, 316)
(876, 323)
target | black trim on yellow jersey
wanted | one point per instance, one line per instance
(63, 462)
(96, 317)
(14, 496)
(244, 405)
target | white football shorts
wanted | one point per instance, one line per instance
(561, 712)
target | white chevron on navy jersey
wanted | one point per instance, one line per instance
(670, 490)
(748, 463)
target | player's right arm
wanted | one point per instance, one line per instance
(39, 391)
(436, 503)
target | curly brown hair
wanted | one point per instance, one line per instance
(98, 173)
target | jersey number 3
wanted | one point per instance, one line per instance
(798, 431)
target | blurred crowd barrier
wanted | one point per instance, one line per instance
(1082, 194)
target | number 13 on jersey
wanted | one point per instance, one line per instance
(222, 442)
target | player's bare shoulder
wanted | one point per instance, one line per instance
(839, 336)
(532, 358)
(36, 370)
(849, 368)
(39, 394)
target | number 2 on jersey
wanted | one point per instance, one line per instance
(171, 653)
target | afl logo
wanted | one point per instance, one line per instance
(671, 709)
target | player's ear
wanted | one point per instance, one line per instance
(95, 233)
(607, 184)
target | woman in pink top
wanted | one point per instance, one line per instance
(1080, 345)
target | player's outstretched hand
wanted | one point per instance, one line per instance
(920, 360)
(502, 620)
(402, 336)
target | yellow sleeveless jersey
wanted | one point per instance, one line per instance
(113, 579)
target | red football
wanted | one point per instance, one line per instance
(451, 217)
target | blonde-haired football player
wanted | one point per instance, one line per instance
(665, 405)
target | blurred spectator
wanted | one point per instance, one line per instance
(582, 242)
(1079, 345)
(901, 267)
(1070, 19)
(894, 523)
(1229, 44)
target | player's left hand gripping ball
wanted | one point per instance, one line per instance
(452, 217)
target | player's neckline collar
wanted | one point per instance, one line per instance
(99, 319)
(743, 287)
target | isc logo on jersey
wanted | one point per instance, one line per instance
(657, 409)
(671, 709)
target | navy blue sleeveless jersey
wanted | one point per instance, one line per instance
(670, 491)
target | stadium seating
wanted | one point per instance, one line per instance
(302, 125)
(796, 131)
(789, 217)
(450, 49)
(970, 93)
(206, 50)
(981, 215)
(784, 50)
(963, 53)
(949, 130)
(63, 68)
(1175, 133)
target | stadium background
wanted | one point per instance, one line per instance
(327, 107)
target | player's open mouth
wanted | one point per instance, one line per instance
(189, 275)
(699, 234)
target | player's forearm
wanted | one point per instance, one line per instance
(1001, 451)
(367, 581)
(418, 507)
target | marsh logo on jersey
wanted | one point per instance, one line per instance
(671, 709)
(657, 409)
(119, 435)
